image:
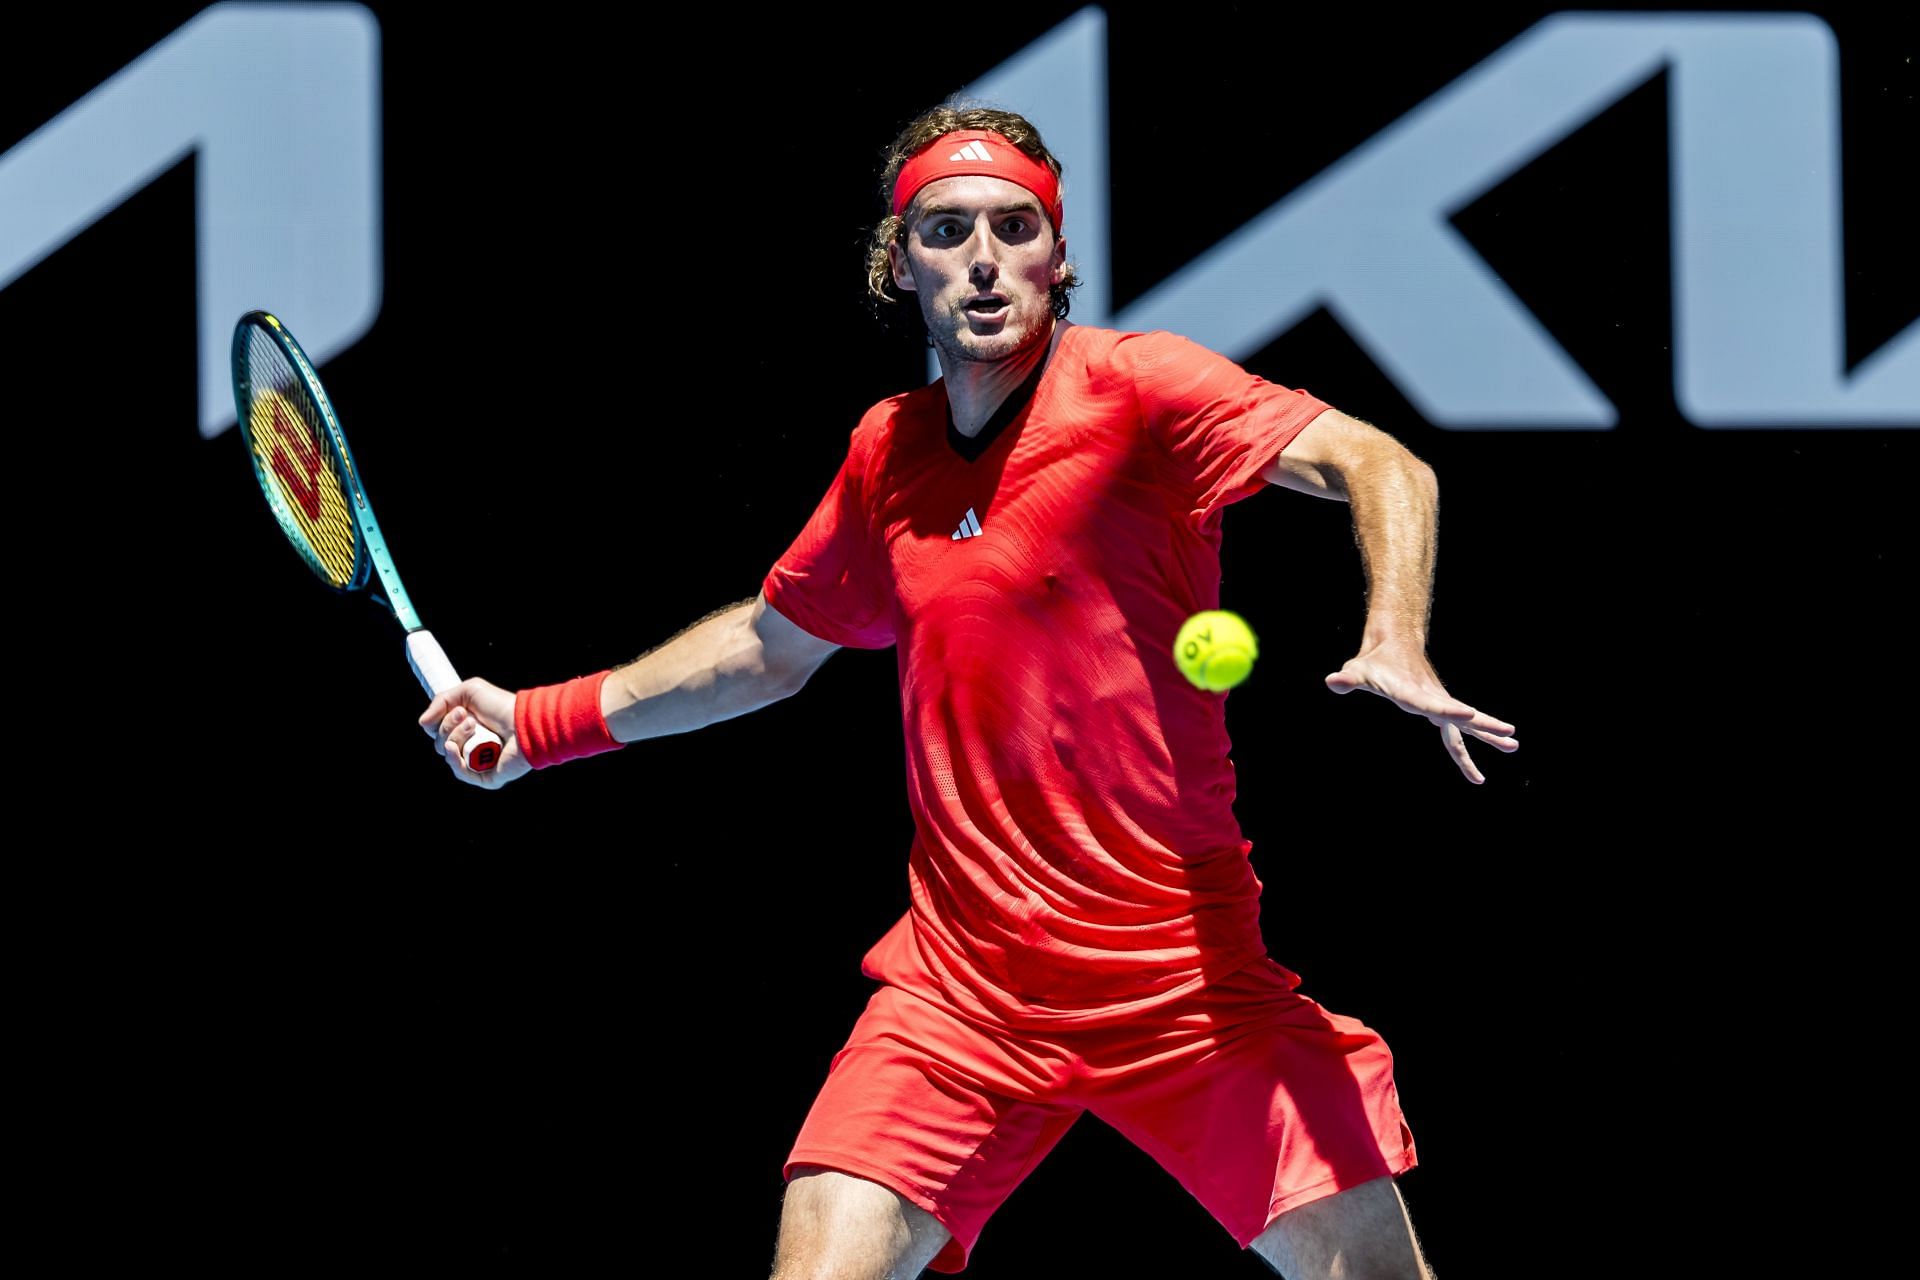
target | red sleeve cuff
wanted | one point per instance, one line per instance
(556, 723)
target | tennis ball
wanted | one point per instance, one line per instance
(1215, 650)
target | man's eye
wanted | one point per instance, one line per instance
(1016, 226)
(940, 232)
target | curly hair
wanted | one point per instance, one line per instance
(948, 117)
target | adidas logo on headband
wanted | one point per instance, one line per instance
(975, 150)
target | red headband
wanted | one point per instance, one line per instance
(977, 151)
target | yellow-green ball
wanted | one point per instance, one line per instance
(1215, 650)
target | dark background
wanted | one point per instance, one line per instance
(298, 996)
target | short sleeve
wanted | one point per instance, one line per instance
(827, 583)
(1219, 425)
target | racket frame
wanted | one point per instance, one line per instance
(370, 545)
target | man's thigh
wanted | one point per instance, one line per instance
(943, 1114)
(834, 1224)
(1277, 1102)
(1362, 1233)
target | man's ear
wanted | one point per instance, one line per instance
(1059, 258)
(902, 272)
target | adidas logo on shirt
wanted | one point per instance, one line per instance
(974, 150)
(969, 527)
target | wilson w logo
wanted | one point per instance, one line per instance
(302, 478)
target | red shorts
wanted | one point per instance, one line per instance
(1253, 1096)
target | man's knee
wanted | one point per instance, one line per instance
(1362, 1233)
(835, 1226)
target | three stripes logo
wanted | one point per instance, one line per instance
(975, 150)
(969, 527)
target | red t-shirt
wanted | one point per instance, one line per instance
(1076, 857)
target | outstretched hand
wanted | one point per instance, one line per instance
(1403, 676)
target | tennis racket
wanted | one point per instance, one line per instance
(301, 459)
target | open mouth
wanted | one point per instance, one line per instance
(986, 306)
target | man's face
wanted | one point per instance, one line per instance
(982, 258)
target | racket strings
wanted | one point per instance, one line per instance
(293, 455)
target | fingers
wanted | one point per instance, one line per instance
(1503, 741)
(443, 730)
(1455, 719)
(1441, 709)
(456, 730)
(457, 715)
(1497, 733)
(1488, 730)
(435, 712)
(463, 725)
(1450, 712)
(461, 728)
(460, 697)
(1457, 748)
(1467, 717)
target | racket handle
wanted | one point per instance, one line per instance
(436, 674)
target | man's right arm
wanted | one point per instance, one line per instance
(730, 662)
(727, 664)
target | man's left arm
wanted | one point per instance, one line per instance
(1395, 499)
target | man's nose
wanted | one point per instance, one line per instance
(982, 253)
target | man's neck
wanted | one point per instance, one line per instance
(977, 387)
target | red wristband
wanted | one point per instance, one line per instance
(556, 723)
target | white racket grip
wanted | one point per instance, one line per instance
(429, 663)
(436, 674)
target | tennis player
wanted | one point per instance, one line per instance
(1028, 533)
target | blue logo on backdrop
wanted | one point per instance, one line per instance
(1755, 143)
(281, 169)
